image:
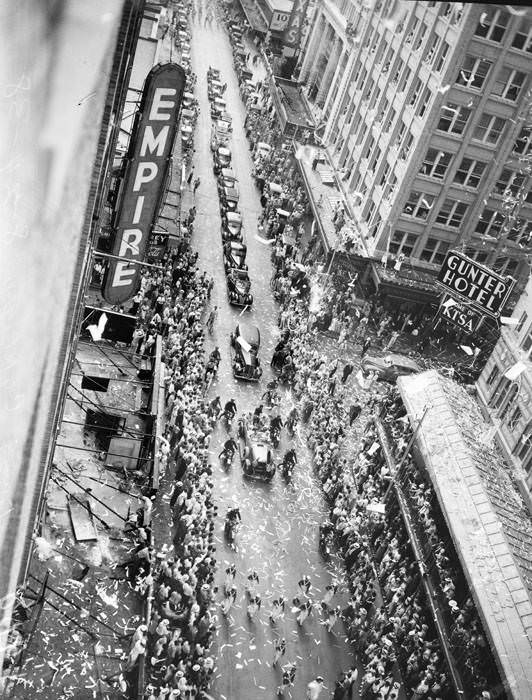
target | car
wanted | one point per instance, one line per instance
(222, 159)
(234, 255)
(226, 178)
(188, 100)
(186, 134)
(245, 344)
(232, 226)
(214, 89)
(218, 107)
(255, 453)
(213, 74)
(390, 366)
(238, 287)
(229, 199)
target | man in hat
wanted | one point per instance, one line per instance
(314, 688)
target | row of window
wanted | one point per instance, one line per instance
(494, 22)
(435, 250)
(469, 173)
(475, 70)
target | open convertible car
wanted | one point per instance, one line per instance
(238, 287)
(255, 454)
(245, 344)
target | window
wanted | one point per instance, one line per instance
(367, 152)
(526, 343)
(400, 134)
(493, 375)
(509, 399)
(473, 72)
(521, 233)
(384, 175)
(430, 49)
(419, 204)
(389, 190)
(389, 120)
(522, 322)
(492, 24)
(508, 83)
(479, 256)
(398, 68)
(402, 242)
(489, 129)
(509, 181)
(404, 80)
(490, 223)
(435, 163)
(370, 85)
(412, 31)
(407, 145)
(515, 417)
(523, 141)
(523, 37)
(415, 92)
(469, 173)
(374, 159)
(499, 392)
(424, 102)
(434, 251)
(362, 81)
(451, 213)
(506, 266)
(420, 37)
(453, 118)
(371, 210)
(442, 56)
(388, 60)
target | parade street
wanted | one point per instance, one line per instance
(279, 534)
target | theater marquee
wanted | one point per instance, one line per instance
(480, 286)
(144, 182)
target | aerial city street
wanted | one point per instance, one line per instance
(290, 445)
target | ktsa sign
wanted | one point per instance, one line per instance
(150, 148)
(480, 286)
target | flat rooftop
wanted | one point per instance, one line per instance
(486, 516)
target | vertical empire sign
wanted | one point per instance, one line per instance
(148, 160)
(293, 32)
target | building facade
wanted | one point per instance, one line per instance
(505, 388)
(427, 116)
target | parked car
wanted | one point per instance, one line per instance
(238, 287)
(390, 367)
(255, 453)
(218, 107)
(245, 344)
(222, 159)
(235, 256)
(232, 226)
(188, 100)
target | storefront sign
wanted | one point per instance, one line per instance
(279, 20)
(460, 315)
(479, 285)
(144, 181)
(292, 34)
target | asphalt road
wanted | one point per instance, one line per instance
(279, 533)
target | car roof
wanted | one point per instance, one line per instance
(249, 332)
(234, 217)
(260, 451)
(224, 151)
(228, 173)
(235, 245)
(231, 192)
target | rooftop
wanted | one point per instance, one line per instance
(296, 108)
(486, 516)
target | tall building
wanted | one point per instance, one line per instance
(65, 68)
(505, 388)
(427, 114)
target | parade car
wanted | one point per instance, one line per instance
(390, 367)
(222, 159)
(213, 74)
(232, 226)
(238, 287)
(226, 178)
(255, 453)
(214, 89)
(229, 199)
(235, 256)
(245, 344)
(218, 107)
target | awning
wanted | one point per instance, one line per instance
(253, 16)
(407, 284)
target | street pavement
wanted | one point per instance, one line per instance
(279, 534)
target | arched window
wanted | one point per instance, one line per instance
(508, 399)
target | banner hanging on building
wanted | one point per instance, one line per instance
(144, 182)
(475, 283)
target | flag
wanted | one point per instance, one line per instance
(515, 370)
